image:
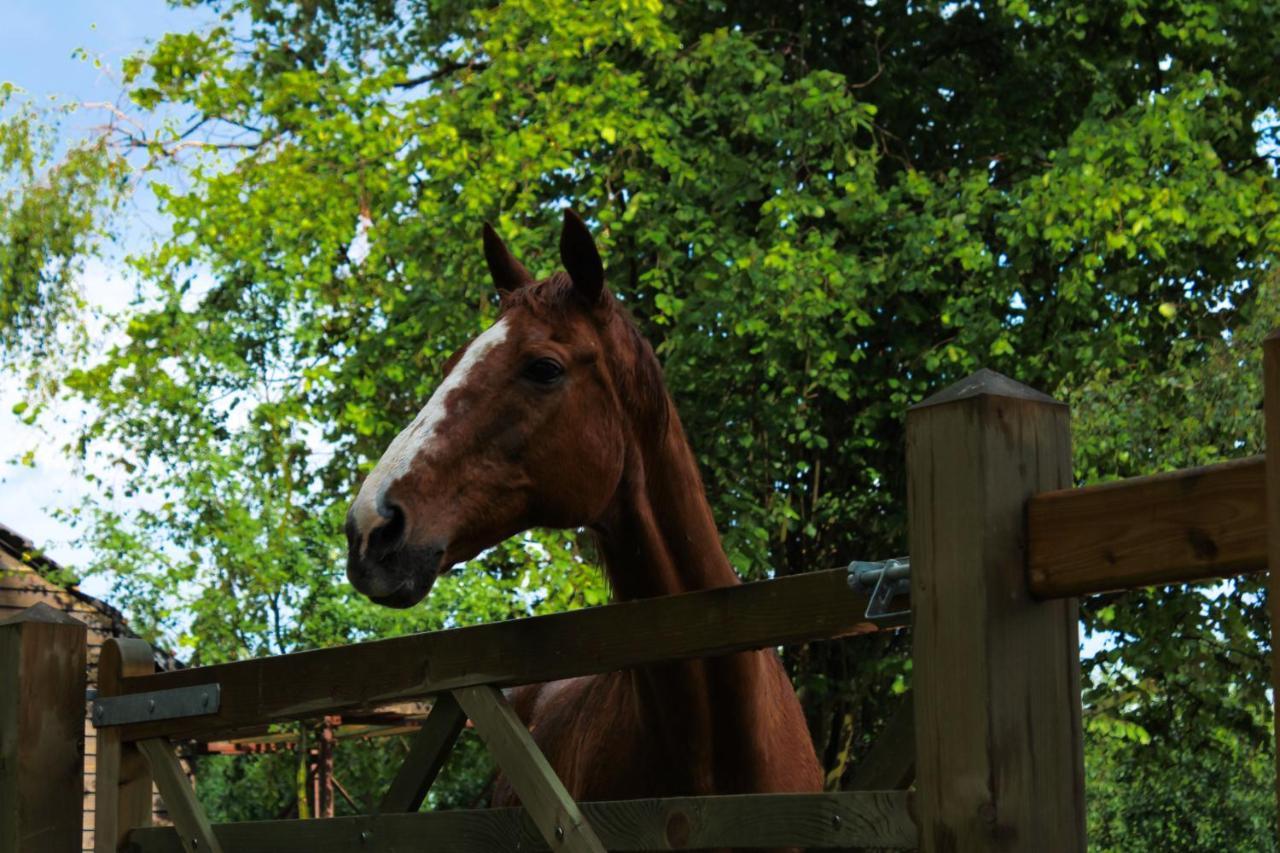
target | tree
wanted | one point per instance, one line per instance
(51, 204)
(819, 216)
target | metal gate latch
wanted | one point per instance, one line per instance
(884, 580)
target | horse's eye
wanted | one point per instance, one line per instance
(544, 371)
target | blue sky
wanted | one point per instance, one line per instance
(38, 40)
(39, 46)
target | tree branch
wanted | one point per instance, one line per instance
(440, 71)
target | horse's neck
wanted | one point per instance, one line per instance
(661, 538)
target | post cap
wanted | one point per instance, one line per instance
(41, 612)
(985, 383)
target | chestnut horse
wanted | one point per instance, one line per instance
(557, 416)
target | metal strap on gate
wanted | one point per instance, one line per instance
(884, 580)
(194, 701)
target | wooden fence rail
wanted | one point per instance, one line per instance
(814, 606)
(854, 819)
(1190, 525)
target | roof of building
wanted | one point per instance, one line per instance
(24, 551)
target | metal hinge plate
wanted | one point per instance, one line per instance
(195, 701)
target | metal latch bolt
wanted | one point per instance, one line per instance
(884, 580)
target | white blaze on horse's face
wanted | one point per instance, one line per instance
(419, 440)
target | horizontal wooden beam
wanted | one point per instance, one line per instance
(820, 821)
(1191, 525)
(818, 605)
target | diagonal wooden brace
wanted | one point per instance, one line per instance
(430, 750)
(541, 792)
(890, 764)
(185, 811)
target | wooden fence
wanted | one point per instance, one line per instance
(1001, 546)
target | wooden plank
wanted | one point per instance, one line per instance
(996, 675)
(1271, 403)
(123, 780)
(430, 750)
(890, 764)
(523, 651)
(542, 794)
(1184, 526)
(187, 815)
(42, 680)
(817, 821)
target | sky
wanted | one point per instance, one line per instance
(40, 44)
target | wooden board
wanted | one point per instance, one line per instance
(543, 795)
(189, 819)
(427, 755)
(996, 675)
(815, 821)
(890, 764)
(42, 679)
(1192, 525)
(601, 639)
(1271, 386)
(123, 795)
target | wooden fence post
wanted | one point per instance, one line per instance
(123, 797)
(1271, 402)
(996, 675)
(42, 681)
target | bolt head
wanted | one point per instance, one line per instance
(836, 821)
(559, 832)
(151, 706)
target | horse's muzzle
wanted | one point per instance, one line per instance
(384, 567)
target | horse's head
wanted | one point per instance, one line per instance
(527, 429)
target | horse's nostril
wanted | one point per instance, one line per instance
(384, 538)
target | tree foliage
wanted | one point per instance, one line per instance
(52, 203)
(818, 215)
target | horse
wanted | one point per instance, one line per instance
(558, 416)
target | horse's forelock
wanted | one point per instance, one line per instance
(550, 296)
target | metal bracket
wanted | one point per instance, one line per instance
(884, 580)
(195, 701)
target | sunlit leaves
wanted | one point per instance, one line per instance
(52, 202)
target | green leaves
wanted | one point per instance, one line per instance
(51, 204)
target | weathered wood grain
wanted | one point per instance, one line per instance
(188, 816)
(999, 758)
(42, 680)
(876, 819)
(427, 755)
(1191, 525)
(601, 639)
(1271, 403)
(558, 818)
(123, 795)
(890, 764)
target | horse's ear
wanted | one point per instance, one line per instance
(508, 273)
(580, 258)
